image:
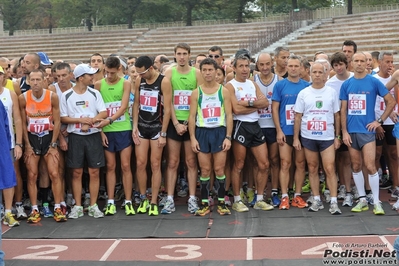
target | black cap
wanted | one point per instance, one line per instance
(243, 52)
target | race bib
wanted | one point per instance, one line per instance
(149, 101)
(357, 104)
(211, 112)
(264, 113)
(39, 126)
(289, 114)
(78, 126)
(112, 108)
(182, 100)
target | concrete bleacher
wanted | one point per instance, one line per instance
(72, 46)
(200, 38)
(374, 31)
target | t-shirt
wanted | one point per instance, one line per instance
(265, 114)
(75, 105)
(336, 84)
(380, 103)
(245, 91)
(285, 92)
(360, 95)
(318, 107)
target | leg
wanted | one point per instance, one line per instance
(173, 151)
(32, 171)
(77, 185)
(110, 173)
(312, 159)
(94, 185)
(192, 168)
(127, 177)
(285, 164)
(141, 164)
(205, 163)
(156, 158)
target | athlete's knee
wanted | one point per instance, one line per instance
(285, 165)
(191, 162)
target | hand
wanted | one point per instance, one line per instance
(17, 152)
(161, 142)
(346, 138)
(296, 144)
(64, 132)
(373, 126)
(28, 154)
(181, 129)
(379, 133)
(135, 136)
(63, 144)
(243, 103)
(85, 128)
(281, 138)
(195, 146)
(100, 123)
(394, 117)
(226, 145)
(86, 120)
(104, 140)
(337, 143)
(54, 153)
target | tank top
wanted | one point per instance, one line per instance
(39, 113)
(9, 85)
(182, 87)
(24, 87)
(112, 96)
(5, 97)
(151, 103)
(245, 91)
(131, 102)
(265, 115)
(210, 109)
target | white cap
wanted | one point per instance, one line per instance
(82, 69)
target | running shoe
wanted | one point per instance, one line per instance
(334, 209)
(34, 217)
(239, 206)
(59, 216)
(355, 193)
(21, 214)
(386, 183)
(243, 196)
(252, 202)
(136, 198)
(95, 212)
(210, 200)
(275, 200)
(306, 188)
(86, 204)
(322, 186)
(169, 207)
(348, 201)
(64, 209)
(123, 205)
(327, 195)
(183, 189)
(341, 192)
(299, 202)
(395, 193)
(162, 200)
(285, 204)
(102, 194)
(129, 210)
(316, 206)
(119, 194)
(291, 194)
(9, 219)
(153, 210)
(396, 205)
(370, 198)
(361, 206)
(46, 212)
(203, 210)
(27, 204)
(310, 199)
(69, 200)
(111, 209)
(251, 197)
(223, 210)
(76, 212)
(192, 205)
(227, 200)
(262, 205)
(378, 210)
(144, 205)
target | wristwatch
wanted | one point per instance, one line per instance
(379, 120)
(251, 103)
(228, 137)
(110, 120)
(163, 134)
(20, 145)
(53, 145)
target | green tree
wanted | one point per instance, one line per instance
(12, 11)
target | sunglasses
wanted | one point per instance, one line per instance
(214, 56)
(142, 73)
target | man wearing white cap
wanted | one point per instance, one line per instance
(81, 108)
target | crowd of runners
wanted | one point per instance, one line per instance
(84, 132)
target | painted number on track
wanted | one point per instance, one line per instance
(190, 250)
(41, 255)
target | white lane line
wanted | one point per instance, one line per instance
(110, 250)
(386, 242)
(249, 249)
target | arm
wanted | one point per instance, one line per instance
(297, 126)
(337, 128)
(229, 119)
(166, 88)
(276, 119)
(136, 106)
(52, 88)
(394, 81)
(17, 89)
(55, 105)
(18, 125)
(28, 148)
(191, 121)
(390, 104)
(345, 135)
(239, 109)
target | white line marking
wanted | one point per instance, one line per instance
(385, 241)
(249, 249)
(110, 250)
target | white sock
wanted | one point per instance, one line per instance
(170, 197)
(359, 182)
(297, 194)
(56, 206)
(237, 198)
(375, 187)
(316, 197)
(259, 197)
(111, 201)
(284, 195)
(333, 200)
